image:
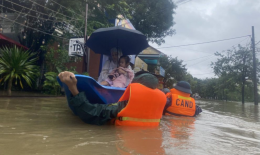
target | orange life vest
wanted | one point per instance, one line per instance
(182, 104)
(144, 108)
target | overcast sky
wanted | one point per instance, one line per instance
(208, 20)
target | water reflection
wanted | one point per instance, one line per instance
(46, 126)
(178, 132)
(138, 140)
(179, 127)
(23, 94)
(256, 113)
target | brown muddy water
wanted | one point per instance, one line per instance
(46, 126)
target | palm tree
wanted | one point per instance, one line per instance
(17, 64)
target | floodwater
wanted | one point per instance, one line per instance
(46, 126)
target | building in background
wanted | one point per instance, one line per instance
(151, 56)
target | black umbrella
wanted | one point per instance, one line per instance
(131, 42)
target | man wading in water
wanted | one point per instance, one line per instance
(142, 104)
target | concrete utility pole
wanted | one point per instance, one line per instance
(86, 23)
(86, 53)
(254, 68)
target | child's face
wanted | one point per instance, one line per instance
(122, 63)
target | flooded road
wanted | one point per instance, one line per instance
(46, 126)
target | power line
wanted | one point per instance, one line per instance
(214, 54)
(181, 1)
(200, 62)
(193, 50)
(17, 16)
(239, 43)
(35, 29)
(203, 73)
(205, 51)
(27, 8)
(184, 2)
(38, 17)
(199, 58)
(67, 8)
(22, 10)
(208, 59)
(208, 52)
(207, 55)
(50, 9)
(37, 11)
(30, 15)
(211, 58)
(206, 42)
(244, 40)
(30, 9)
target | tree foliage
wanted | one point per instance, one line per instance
(40, 18)
(57, 58)
(174, 70)
(234, 77)
(153, 18)
(233, 68)
(51, 85)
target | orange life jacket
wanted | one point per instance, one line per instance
(144, 108)
(182, 104)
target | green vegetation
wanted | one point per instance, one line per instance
(234, 75)
(152, 17)
(57, 58)
(51, 85)
(234, 72)
(174, 70)
(17, 65)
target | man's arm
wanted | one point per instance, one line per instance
(198, 110)
(167, 105)
(97, 114)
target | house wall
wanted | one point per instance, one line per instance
(140, 64)
(94, 63)
(150, 50)
(80, 68)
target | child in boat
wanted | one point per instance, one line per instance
(119, 76)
